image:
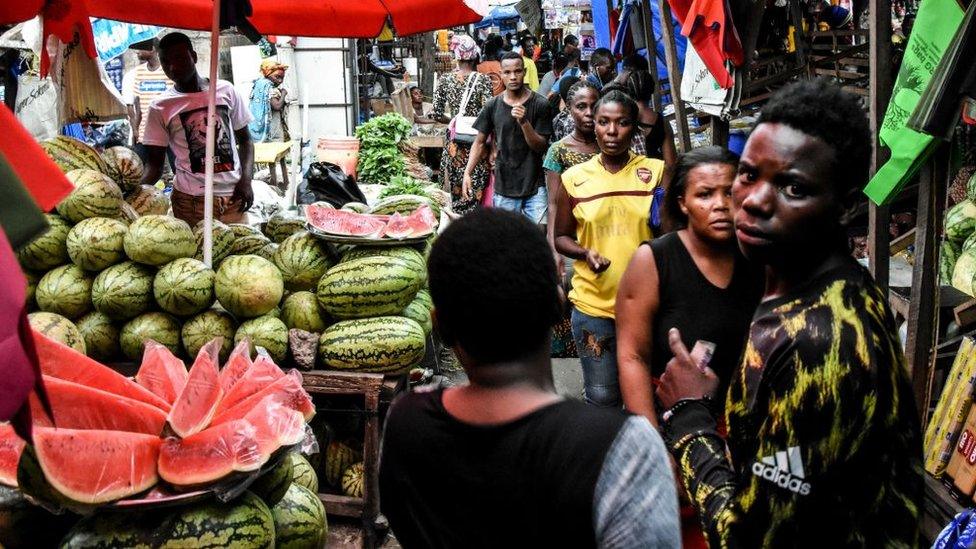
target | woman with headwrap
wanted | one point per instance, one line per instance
(269, 104)
(452, 90)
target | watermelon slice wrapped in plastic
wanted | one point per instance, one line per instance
(286, 389)
(262, 373)
(398, 227)
(76, 406)
(344, 223)
(11, 446)
(237, 365)
(276, 425)
(210, 455)
(161, 372)
(198, 401)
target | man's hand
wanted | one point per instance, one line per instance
(244, 194)
(466, 186)
(597, 262)
(518, 113)
(683, 379)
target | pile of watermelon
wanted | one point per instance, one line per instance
(957, 261)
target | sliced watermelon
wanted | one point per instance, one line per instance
(288, 391)
(397, 227)
(11, 446)
(76, 406)
(94, 466)
(210, 455)
(197, 403)
(345, 223)
(261, 374)
(65, 363)
(276, 425)
(161, 372)
(237, 365)
(422, 221)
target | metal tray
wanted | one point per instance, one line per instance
(365, 241)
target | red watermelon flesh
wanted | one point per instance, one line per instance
(79, 407)
(11, 446)
(65, 363)
(161, 372)
(277, 425)
(210, 454)
(262, 373)
(345, 223)
(94, 466)
(397, 227)
(237, 365)
(422, 221)
(197, 403)
(288, 391)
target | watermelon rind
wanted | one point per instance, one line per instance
(200, 329)
(71, 154)
(184, 287)
(300, 520)
(301, 310)
(303, 473)
(222, 241)
(95, 195)
(158, 239)
(148, 200)
(123, 291)
(419, 313)
(268, 332)
(960, 221)
(964, 272)
(353, 480)
(124, 166)
(272, 485)
(48, 250)
(356, 207)
(58, 328)
(302, 259)
(101, 336)
(405, 204)
(369, 287)
(406, 253)
(283, 224)
(159, 327)
(66, 290)
(248, 286)
(95, 244)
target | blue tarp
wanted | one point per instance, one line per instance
(497, 15)
(112, 38)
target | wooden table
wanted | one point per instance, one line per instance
(271, 154)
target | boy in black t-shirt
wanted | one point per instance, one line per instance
(505, 461)
(823, 431)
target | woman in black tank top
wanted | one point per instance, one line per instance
(693, 279)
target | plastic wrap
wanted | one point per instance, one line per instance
(288, 391)
(238, 363)
(261, 374)
(276, 425)
(210, 455)
(161, 372)
(79, 407)
(198, 401)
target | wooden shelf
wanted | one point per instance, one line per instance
(940, 506)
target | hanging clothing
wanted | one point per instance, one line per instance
(708, 24)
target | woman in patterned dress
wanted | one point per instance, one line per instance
(447, 99)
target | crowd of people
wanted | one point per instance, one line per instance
(744, 383)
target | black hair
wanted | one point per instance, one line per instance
(559, 61)
(524, 40)
(570, 40)
(601, 56)
(508, 56)
(565, 85)
(494, 286)
(635, 62)
(493, 47)
(620, 98)
(578, 86)
(640, 85)
(615, 87)
(679, 177)
(573, 55)
(174, 39)
(823, 110)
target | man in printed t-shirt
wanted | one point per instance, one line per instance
(178, 120)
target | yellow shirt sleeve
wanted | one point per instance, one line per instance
(531, 74)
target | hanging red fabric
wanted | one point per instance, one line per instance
(64, 19)
(708, 25)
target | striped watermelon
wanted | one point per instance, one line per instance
(159, 239)
(124, 166)
(338, 458)
(95, 244)
(199, 330)
(352, 480)
(302, 259)
(355, 207)
(95, 195)
(283, 224)
(148, 200)
(243, 229)
(58, 328)
(303, 473)
(424, 297)
(301, 310)
(419, 313)
(268, 332)
(101, 336)
(299, 519)
(248, 286)
(251, 244)
(406, 253)
(159, 327)
(405, 204)
(48, 250)
(66, 290)
(386, 344)
(72, 154)
(272, 485)
(123, 291)
(184, 287)
(32, 280)
(268, 251)
(223, 241)
(369, 287)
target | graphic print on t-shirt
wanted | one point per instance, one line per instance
(195, 128)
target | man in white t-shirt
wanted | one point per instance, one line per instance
(178, 120)
(140, 86)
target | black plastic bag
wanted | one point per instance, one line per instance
(326, 182)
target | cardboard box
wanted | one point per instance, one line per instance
(962, 466)
(952, 409)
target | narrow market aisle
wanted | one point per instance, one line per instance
(566, 373)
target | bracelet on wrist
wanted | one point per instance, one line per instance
(684, 403)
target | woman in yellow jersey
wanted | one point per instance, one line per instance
(602, 214)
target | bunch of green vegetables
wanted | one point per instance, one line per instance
(404, 184)
(379, 154)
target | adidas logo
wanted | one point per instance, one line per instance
(785, 469)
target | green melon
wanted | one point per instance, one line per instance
(423, 296)
(272, 485)
(48, 250)
(283, 224)
(250, 244)
(243, 229)
(223, 241)
(419, 313)
(159, 239)
(301, 311)
(58, 328)
(124, 166)
(971, 187)
(353, 480)
(95, 244)
(405, 204)
(338, 457)
(95, 195)
(101, 336)
(184, 287)
(960, 221)
(303, 473)
(268, 332)
(66, 290)
(300, 521)
(123, 291)
(148, 200)
(268, 251)
(25, 525)
(406, 253)
(357, 207)
(32, 280)
(71, 154)
(386, 344)
(199, 330)
(302, 259)
(248, 286)
(369, 287)
(159, 327)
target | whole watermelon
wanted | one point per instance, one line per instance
(223, 241)
(251, 244)
(960, 221)
(301, 310)
(248, 286)
(123, 291)
(48, 250)
(244, 523)
(95, 244)
(302, 259)
(71, 154)
(58, 328)
(32, 280)
(423, 296)
(66, 290)
(184, 287)
(268, 332)
(369, 287)
(95, 195)
(148, 200)
(419, 313)
(353, 480)
(303, 473)
(124, 166)
(272, 485)
(25, 525)
(199, 330)
(268, 251)
(159, 239)
(101, 336)
(159, 327)
(338, 457)
(243, 229)
(406, 253)
(971, 187)
(283, 224)
(386, 344)
(299, 520)
(357, 207)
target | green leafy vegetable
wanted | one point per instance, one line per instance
(379, 155)
(404, 184)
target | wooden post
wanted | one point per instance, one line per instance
(720, 131)
(880, 94)
(674, 77)
(647, 18)
(924, 300)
